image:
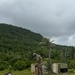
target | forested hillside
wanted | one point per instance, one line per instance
(17, 43)
(17, 46)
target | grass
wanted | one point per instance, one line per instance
(67, 74)
(24, 72)
(27, 72)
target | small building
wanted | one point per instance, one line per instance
(56, 68)
(44, 68)
(59, 67)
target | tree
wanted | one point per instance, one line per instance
(19, 65)
(47, 43)
(73, 52)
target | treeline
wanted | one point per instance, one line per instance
(17, 46)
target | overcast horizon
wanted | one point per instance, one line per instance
(54, 19)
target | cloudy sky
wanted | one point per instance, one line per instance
(53, 19)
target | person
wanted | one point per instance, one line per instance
(36, 70)
(39, 62)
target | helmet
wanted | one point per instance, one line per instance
(34, 54)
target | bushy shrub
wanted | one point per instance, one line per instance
(3, 65)
(21, 64)
(72, 64)
(27, 61)
(71, 71)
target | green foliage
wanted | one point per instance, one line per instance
(3, 65)
(17, 43)
(47, 43)
(71, 71)
(72, 64)
(17, 46)
(21, 64)
(23, 72)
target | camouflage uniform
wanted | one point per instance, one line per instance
(39, 62)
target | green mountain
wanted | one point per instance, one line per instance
(18, 44)
(17, 38)
(13, 32)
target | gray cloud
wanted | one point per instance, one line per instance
(51, 18)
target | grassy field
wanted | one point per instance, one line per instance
(24, 72)
(27, 72)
